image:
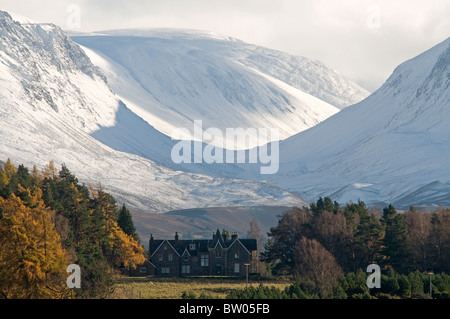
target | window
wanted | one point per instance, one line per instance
(185, 257)
(236, 268)
(170, 257)
(142, 270)
(185, 269)
(160, 257)
(218, 253)
(165, 270)
(236, 254)
(191, 246)
(204, 260)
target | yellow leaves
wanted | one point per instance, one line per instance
(84, 220)
(126, 251)
(32, 261)
(3, 178)
(9, 169)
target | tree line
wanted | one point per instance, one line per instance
(415, 285)
(322, 244)
(49, 220)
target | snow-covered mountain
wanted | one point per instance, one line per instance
(52, 102)
(392, 147)
(107, 110)
(171, 78)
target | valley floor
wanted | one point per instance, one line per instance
(174, 288)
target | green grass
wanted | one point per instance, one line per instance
(173, 288)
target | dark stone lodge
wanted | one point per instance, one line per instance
(218, 256)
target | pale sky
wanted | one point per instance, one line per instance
(363, 39)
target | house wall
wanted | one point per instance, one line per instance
(220, 261)
(218, 258)
(237, 254)
(165, 258)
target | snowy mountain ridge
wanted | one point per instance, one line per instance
(107, 109)
(393, 147)
(171, 78)
(53, 99)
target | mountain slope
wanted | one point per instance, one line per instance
(198, 223)
(172, 77)
(394, 146)
(54, 100)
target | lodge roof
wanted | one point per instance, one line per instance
(196, 246)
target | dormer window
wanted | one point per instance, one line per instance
(191, 246)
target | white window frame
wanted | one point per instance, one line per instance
(185, 269)
(165, 270)
(204, 260)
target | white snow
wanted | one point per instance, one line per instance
(64, 103)
(171, 78)
(388, 148)
(20, 18)
(53, 99)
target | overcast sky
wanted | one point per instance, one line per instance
(363, 39)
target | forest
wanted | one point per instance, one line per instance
(49, 220)
(327, 249)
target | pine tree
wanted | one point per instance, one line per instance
(125, 222)
(368, 241)
(395, 240)
(279, 250)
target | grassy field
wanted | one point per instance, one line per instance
(173, 288)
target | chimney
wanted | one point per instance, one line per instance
(151, 242)
(176, 236)
(234, 236)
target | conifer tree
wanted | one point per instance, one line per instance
(32, 260)
(395, 239)
(125, 222)
(9, 169)
(48, 221)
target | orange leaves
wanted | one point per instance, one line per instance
(124, 249)
(32, 261)
(42, 213)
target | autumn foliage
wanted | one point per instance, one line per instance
(48, 220)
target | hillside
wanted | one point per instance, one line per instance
(392, 147)
(171, 78)
(202, 222)
(54, 100)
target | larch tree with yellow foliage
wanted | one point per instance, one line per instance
(50, 220)
(32, 260)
